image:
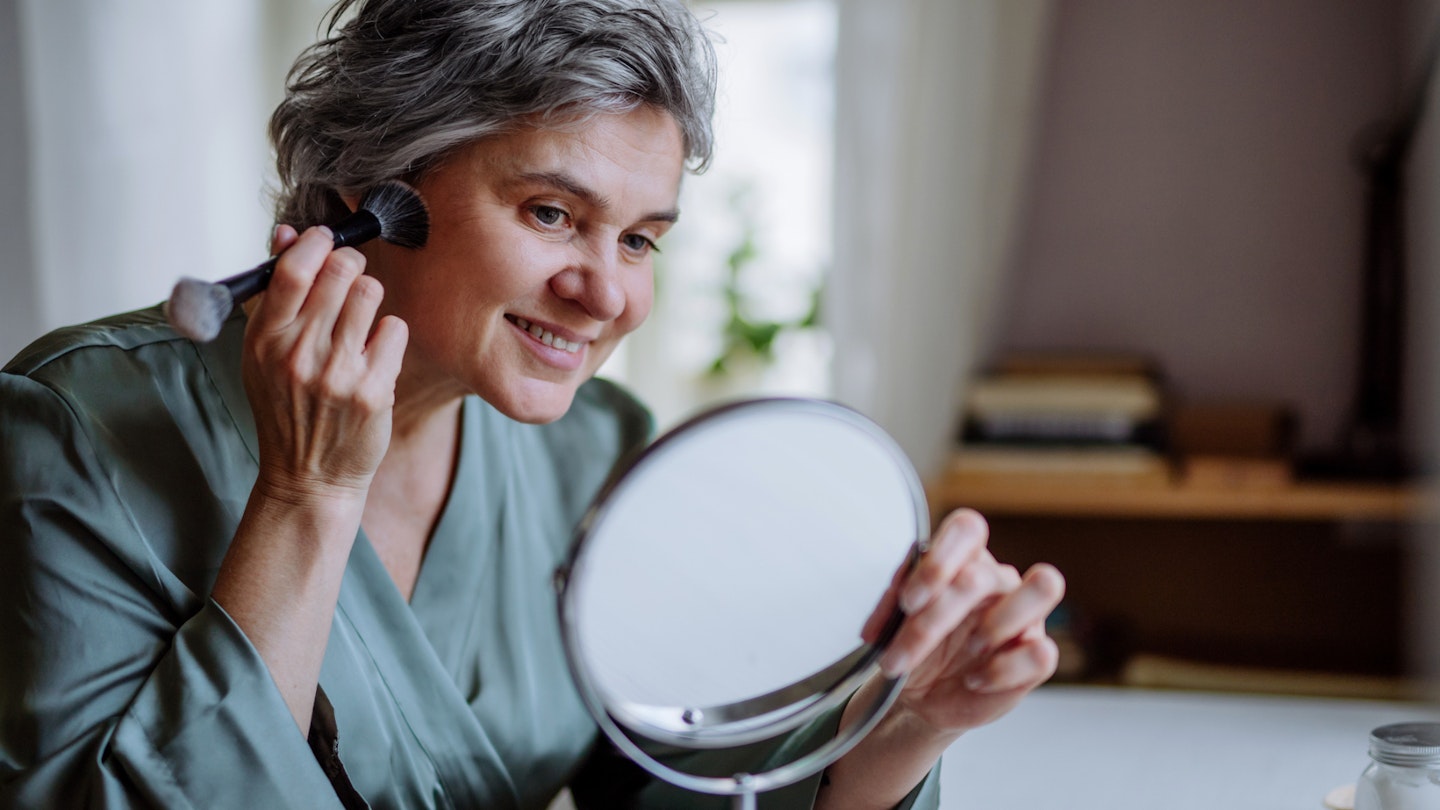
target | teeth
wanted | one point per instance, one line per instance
(547, 337)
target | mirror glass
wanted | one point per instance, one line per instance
(718, 587)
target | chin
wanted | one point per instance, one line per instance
(535, 408)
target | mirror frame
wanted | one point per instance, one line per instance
(766, 716)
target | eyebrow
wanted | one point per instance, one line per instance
(574, 187)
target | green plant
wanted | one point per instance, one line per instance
(742, 335)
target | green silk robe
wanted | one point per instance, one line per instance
(127, 455)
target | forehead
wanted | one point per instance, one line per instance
(633, 160)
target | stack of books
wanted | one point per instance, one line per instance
(1087, 419)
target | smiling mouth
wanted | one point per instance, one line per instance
(544, 335)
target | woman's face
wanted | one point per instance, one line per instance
(539, 260)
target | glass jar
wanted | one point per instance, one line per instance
(1405, 773)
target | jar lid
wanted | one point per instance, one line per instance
(1406, 745)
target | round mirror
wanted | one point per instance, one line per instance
(717, 587)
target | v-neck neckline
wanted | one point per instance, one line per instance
(468, 528)
(439, 546)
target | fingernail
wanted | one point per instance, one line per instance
(325, 229)
(913, 598)
(894, 663)
(975, 646)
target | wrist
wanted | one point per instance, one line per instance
(888, 763)
(328, 516)
(308, 493)
(907, 724)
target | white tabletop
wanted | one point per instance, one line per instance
(1075, 748)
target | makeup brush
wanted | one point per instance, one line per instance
(391, 210)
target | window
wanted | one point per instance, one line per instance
(747, 261)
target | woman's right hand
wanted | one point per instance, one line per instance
(320, 383)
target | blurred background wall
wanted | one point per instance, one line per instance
(1194, 195)
(135, 149)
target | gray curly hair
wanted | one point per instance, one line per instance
(395, 88)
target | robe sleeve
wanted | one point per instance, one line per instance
(113, 692)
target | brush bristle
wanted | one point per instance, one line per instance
(404, 219)
(197, 309)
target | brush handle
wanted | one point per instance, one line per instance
(358, 228)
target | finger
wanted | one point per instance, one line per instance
(1039, 591)
(283, 237)
(922, 632)
(384, 355)
(961, 536)
(295, 272)
(330, 292)
(1022, 666)
(889, 602)
(352, 327)
(386, 350)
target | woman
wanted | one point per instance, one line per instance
(308, 564)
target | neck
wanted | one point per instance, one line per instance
(420, 461)
(408, 493)
(424, 405)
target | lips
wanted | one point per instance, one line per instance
(546, 336)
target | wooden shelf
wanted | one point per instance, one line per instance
(1011, 495)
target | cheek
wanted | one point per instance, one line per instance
(639, 298)
(485, 278)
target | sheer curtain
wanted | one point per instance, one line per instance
(17, 283)
(934, 116)
(142, 134)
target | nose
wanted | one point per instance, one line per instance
(593, 280)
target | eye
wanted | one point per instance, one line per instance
(639, 243)
(548, 215)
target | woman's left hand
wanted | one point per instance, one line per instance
(973, 638)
